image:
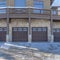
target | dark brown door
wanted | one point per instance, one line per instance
(3, 34)
(39, 34)
(56, 33)
(20, 34)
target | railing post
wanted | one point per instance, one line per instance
(29, 28)
(51, 26)
(7, 34)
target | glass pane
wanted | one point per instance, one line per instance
(19, 3)
(54, 12)
(44, 29)
(34, 29)
(39, 29)
(58, 30)
(24, 29)
(38, 4)
(19, 29)
(14, 29)
(2, 11)
(36, 11)
(5, 29)
(3, 4)
(1, 29)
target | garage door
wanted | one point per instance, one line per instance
(19, 34)
(39, 34)
(56, 33)
(3, 34)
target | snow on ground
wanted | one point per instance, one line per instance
(45, 47)
(46, 51)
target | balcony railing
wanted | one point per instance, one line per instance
(25, 12)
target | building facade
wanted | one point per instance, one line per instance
(29, 21)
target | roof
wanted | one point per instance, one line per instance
(56, 3)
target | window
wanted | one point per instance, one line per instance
(2, 4)
(19, 3)
(54, 12)
(38, 4)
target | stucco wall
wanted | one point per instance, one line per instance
(24, 23)
(56, 25)
(3, 23)
(34, 23)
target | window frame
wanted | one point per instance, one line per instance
(3, 4)
(34, 4)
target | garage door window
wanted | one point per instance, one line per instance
(39, 29)
(19, 29)
(14, 29)
(56, 30)
(34, 29)
(1, 29)
(5, 29)
(24, 29)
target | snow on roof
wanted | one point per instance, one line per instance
(56, 3)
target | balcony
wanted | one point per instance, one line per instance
(28, 12)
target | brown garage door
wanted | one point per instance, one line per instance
(3, 34)
(39, 34)
(19, 34)
(56, 33)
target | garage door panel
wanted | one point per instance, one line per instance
(3, 34)
(21, 34)
(39, 34)
(56, 33)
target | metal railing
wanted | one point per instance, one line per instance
(26, 10)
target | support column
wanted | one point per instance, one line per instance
(7, 34)
(29, 28)
(10, 32)
(51, 25)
